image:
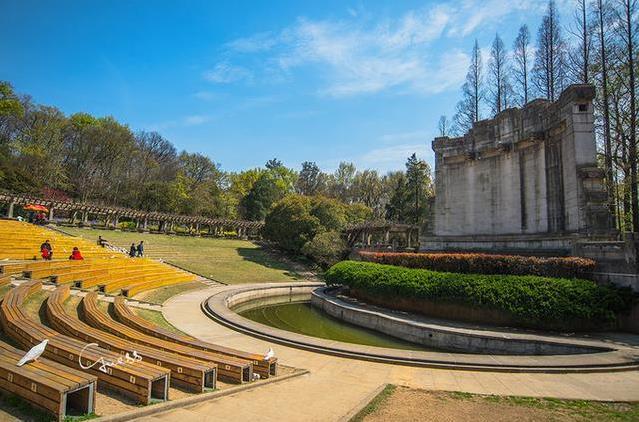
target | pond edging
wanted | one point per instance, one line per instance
(623, 358)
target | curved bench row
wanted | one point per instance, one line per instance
(230, 369)
(142, 381)
(45, 384)
(189, 373)
(263, 367)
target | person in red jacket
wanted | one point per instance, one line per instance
(76, 255)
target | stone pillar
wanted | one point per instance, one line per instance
(85, 218)
(10, 213)
(116, 221)
(408, 238)
(387, 237)
(369, 237)
(145, 224)
(197, 229)
(51, 214)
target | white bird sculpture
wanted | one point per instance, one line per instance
(34, 353)
(270, 354)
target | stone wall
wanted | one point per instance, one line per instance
(528, 171)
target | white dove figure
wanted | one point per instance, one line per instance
(34, 353)
(270, 354)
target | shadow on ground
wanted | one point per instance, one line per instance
(268, 259)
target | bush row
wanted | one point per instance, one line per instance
(531, 301)
(476, 263)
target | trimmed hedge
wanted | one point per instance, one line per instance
(532, 301)
(476, 263)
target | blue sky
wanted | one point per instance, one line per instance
(246, 81)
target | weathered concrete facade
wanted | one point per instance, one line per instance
(526, 178)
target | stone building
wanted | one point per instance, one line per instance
(526, 180)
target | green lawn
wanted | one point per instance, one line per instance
(227, 260)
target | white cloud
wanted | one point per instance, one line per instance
(224, 73)
(362, 56)
(471, 14)
(422, 135)
(196, 119)
(259, 42)
(206, 95)
(394, 157)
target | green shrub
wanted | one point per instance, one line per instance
(326, 249)
(476, 263)
(532, 301)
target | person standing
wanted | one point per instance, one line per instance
(141, 248)
(46, 250)
(132, 250)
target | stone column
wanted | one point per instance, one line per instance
(51, 214)
(408, 239)
(387, 237)
(85, 218)
(10, 213)
(145, 224)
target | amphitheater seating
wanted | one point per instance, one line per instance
(189, 373)
(125, 315)
(230, 369)
(142, 381)
(19, 240)
(109, 271)
(45, 384)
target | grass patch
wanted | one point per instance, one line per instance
(161, 295)
(33, 305)
(23, 410)
(157, 318)
(71, 306)
(413, 404)
(375, 403)
(593, 410)
(232, 261)
(4, 289)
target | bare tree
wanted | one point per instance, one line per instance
(549, 71)
(521, 63)
(605, 105)
(626, 28)
(468, 109)
(579, 59)
(443, 126)
(498, 77)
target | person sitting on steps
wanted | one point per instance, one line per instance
(102, 242)
(76, 255)
(46, 250)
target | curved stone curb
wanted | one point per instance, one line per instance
(450, 336)
(217, 308)
(188, 401)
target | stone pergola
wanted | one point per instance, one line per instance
(383, 235)
(81, 212)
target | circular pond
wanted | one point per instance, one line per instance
(280, 313)
(299, 316)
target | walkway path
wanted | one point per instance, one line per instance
(336, 385)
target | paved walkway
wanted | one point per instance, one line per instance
(336, 385)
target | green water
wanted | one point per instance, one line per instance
(302, 318)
